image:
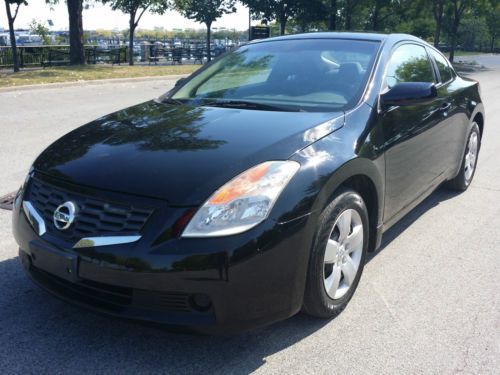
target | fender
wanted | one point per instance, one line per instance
(334, 169)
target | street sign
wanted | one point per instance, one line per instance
(260, 32)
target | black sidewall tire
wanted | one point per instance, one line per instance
(316, 300)
(460, 182)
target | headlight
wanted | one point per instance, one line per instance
(243, 202)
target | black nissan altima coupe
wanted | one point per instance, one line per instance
(255, 187)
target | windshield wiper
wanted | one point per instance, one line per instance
(248, 105)
(171, 101)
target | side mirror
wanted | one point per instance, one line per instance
(409, 93)
(180, 82)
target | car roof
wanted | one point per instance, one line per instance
(344, 35)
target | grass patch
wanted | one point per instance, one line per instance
(467, 53)
(89, 73)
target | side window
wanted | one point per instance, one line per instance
(409, 63)
(443, 67)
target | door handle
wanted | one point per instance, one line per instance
(445, 107)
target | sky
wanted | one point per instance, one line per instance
(102, 17)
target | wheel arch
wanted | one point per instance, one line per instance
(479, 119)
(364, 177)
(477, 115)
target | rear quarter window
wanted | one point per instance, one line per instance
(443, 66)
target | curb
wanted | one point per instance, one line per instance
(91, 82)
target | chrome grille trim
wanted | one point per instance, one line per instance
(105, 241)
(34, 218)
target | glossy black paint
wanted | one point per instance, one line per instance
(409, 93)
(173, 158)
(127, 150)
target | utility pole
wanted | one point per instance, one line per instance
(249, 23)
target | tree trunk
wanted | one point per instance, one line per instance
(348, 17)
(332, 20)
(13, 44)
(437, 34)
(209, 53)
(438, 16)
(131, 33)
(283, 21)
(492, 43)
(454, 30)
(76, 48)
(375, 16)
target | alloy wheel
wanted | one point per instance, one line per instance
(471, 156)
(343, 254)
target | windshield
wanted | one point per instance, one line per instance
(318, 75)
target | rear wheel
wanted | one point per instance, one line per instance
(469, 161)
(338, 255)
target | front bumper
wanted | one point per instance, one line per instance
(218, 285)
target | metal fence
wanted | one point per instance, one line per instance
(158, 53)
(59, 55)
(36, 56)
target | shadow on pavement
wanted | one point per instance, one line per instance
(39, 333)
(440, 195)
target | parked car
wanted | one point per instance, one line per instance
(29, 40)
(255, 188)
(4, 40)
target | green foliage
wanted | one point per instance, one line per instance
(205, 11)
(473, 31)
(38, 28)
(278, 10)
(136, 8)
(492, 20)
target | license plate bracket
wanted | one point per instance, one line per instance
(56, 262)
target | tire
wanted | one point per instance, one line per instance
(464, 177)
(321, 298)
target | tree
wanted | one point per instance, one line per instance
(310, 13)
(457, 10)
(38, 28)
(76, 46)
(382, 10)
(332, 18)
(11, 17)
(279, 10)
(136, 9)
(438, 12)
(493, 24)
(349, 8)
(205, 11)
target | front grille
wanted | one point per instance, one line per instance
(93, 218)
(162, 301)
(113, 298)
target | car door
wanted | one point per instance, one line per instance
(454, 121)
(413, 135)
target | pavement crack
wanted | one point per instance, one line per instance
(391, 311)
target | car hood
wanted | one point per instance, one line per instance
(178, 153)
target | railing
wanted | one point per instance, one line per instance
(154, 53)
(44, 56)
(59, 55)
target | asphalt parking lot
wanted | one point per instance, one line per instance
(428, 301)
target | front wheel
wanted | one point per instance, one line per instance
(469, 161)
(338, 255)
